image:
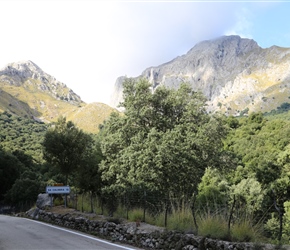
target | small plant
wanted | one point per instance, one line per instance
(213, 225)
(181, 219)
(136, 215)
(159, 219)
(242, 232)
(58, 201)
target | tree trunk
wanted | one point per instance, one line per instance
(92, 206)
(193, 213)
(144, 207)
(280, 218)
(166, 215)
(82, 202)
(231, 216)
(65, 196)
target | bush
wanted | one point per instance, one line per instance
(136, 215)
(244, 231)
(181, 219)
(213, 226)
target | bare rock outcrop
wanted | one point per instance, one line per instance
(234, 73)
(28, 75)
(43, 200)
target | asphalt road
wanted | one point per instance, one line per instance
(20, 234)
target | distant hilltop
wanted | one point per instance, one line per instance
(26, 90)
(234, 73)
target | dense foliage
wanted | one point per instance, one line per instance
(73, 153)
(65, 146)
(20, 158)
(262, 147)
(19, 176)
(23, 134)
(164, 141)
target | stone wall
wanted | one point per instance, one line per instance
(130, 234)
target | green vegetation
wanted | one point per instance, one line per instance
(214, 226)
(164, 161)
(283, 108)
(163, 142)
(66, 147)
(22, 134)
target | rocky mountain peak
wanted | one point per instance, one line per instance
(22, 70)
(27, 74)
(234, 74)
(232, 45)
(23, 66)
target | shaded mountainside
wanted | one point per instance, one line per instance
(235, 74)
(26, 90)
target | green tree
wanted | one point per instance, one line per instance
(213, 191)
(10, 170)
(22, 134)
(25, 189)
(262, 147)
(65, 146)
(88, 175)
(164, 141)
(249, 195)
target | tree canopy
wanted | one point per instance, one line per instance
(164, 140)
(65, 146)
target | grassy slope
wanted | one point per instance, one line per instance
(31, 102)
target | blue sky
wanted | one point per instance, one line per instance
(87, 44)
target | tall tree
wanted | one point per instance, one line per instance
(164, 141)
(65, 146)
(88, 175)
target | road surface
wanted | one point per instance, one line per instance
(21, 234)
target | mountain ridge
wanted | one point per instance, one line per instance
(25, 73)
(26, 90)
(233, 73)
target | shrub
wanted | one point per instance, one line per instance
(136, 214)
(244, 231)
(181, 219)
(213, 225)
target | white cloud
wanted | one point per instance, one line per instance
(243, 25)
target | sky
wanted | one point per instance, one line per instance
(88, 44)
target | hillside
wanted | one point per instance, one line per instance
(22, 134)
(26, 90)
(235, 74)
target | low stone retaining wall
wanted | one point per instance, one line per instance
(136, 236)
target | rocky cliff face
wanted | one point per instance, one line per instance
(28, 75)
(234, 74)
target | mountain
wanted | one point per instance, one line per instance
(26, 90)
(234, 73)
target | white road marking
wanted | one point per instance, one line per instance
(83, 235)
